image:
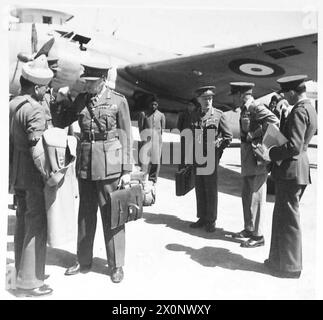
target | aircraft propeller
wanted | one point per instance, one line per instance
(25, 57)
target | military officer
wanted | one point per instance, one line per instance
(27, 124)
(185, 119)
(254, 119)
(212, 132)
(154, 122)
(104, 163)
(291, 178)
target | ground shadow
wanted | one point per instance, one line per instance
(219, 257)
(229, 181)
(65, 259)
(175, 223)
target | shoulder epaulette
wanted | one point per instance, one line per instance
(117, 93)
(218, 110)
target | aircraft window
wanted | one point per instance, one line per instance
(283, 52)
(47, 20)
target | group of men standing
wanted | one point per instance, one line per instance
(288, 163)
(104, 120)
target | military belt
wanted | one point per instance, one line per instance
(98, 136)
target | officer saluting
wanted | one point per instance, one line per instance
(104, 162)
(209, 120)
(254, 120)
(27, 124)
(291, 178)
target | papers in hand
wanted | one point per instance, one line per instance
(273, 137)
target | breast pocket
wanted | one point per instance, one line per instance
(113, 157)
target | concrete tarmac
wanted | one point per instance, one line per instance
(166, 259)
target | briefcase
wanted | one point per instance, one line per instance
(126, 205)
(184, 180)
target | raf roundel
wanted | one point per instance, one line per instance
(255, 68)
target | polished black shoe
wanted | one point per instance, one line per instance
(253, 243)
(117, 275)
(77, 268)
(198, 224)
(210, 227)
(44, 290)
(242, 234)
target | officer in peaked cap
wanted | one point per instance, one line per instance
(211, 130)
(289, 83)
(205, 91)
(104, 120)
(291, 178)
(241, 87)
(254, 120)
(27, 124)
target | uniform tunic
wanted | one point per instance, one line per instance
(206, 185)
(27, 124)
(254, 119)
(291, 178)
(101, 163)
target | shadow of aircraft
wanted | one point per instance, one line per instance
(219, 257)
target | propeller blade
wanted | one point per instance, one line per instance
(45, 48)
(14, 74)
(34, 38)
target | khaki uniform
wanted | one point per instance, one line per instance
(254, 119)
(28, 122)
(104, 156)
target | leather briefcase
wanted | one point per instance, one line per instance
(126, 205)
(185, 180)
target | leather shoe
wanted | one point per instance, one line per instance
(253, 243)
(210, 227)
(242, 234)
(198, 224)
(117, 275)
(77, 268)
(44, 290)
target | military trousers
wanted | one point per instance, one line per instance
(30, 237)
(286, 239)
(253, 199)
(94, 194)
(206, 191)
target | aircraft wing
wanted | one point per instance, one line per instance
(261, 63)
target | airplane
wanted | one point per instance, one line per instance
(139, 71)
